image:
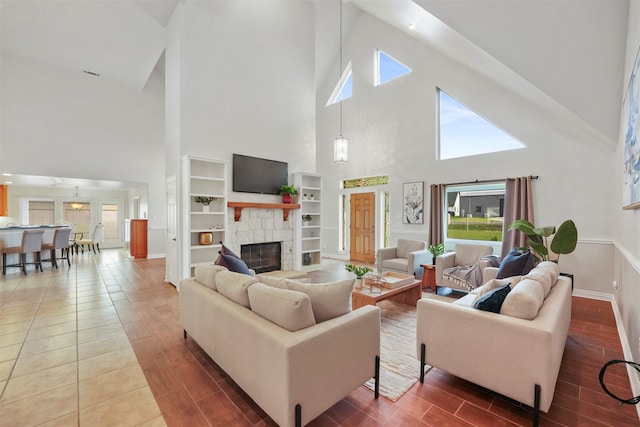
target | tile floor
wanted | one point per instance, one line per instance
(100, 344)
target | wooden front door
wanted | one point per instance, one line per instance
(363, 229)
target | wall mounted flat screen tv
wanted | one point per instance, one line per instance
(256, 175)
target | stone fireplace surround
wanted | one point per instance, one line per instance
(261, 225)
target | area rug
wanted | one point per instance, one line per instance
(399, 366)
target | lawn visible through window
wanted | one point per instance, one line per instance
(475, 212)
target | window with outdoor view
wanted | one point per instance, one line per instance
(475, 212)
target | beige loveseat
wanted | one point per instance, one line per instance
(516, 352)
(295, 354)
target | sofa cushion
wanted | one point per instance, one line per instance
(516, 263)
(552, 267)
(524, 300)
(234, 286)
(495, 284)
(492, 300)
(274, 282)
(235, 264)
(542, 276)
(328, 300)
(404, 247)
(205, 274)
(288, 309)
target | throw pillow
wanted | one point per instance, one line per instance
(225, 250)
(288, 309)
(234, 286)
(492, 300)
(524, 301)
(516, 263)
(205, 274)
(235, 264)
(328, 300)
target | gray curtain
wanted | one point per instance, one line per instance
(518, 204)
(436, 209)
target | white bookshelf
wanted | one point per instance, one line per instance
(308, 241)
(208, 178)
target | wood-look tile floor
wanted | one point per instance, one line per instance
(64, 361)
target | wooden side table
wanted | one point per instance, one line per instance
(428, 276)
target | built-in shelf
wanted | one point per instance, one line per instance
(238, 206)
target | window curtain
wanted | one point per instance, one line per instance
(436, 232)
(518, 204)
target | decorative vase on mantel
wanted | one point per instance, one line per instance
(286, 198)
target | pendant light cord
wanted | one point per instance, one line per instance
(340, 70)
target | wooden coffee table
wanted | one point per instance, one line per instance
(406, 294)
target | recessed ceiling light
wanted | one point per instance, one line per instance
(6, 174)
(8, 182)
(412, 26)
(58, 180)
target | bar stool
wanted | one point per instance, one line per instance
(31, 243)
(60, 241)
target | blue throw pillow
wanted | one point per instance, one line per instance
(235, 264)
(225, 250)
(492, 300)
(516, 263)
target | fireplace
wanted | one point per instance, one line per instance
(262, 257)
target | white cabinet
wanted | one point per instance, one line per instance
(308, 241)
(202, 178)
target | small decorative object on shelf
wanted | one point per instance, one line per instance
(205, 201)
(205, 238)
(286, 191)
(305, 219)
(304, 196)
(306, 259)
(311, 197)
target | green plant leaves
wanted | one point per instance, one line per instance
(565, 239)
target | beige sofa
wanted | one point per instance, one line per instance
(281, 345)
(516, 352)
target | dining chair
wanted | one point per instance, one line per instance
(60, 241)
(31, 243)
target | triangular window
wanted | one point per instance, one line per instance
(388, 68)
(343, 89)
(465, 133)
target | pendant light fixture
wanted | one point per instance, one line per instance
(76, 204)
(340, 144)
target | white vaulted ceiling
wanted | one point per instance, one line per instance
(121, 40)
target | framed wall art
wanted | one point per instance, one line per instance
(413, 203)
(631, 154)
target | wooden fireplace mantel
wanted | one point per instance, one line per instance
(238, 206)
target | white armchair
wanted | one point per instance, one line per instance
(405, 257)
(464, 255)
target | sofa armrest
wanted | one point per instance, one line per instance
(446, 260)
(386, 253)
(415, 259)
(488, 274)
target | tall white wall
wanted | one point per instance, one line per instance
(392, 130)
(627, 254)
(246, 82)
(77, 126)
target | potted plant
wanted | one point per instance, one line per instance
(305, 219)
(287, 191)
(359, 271)
(205, 201)
(563, 240)
(304, 196)
(436, 250)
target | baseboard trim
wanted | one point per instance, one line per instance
(601, 296)
(634, 379)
